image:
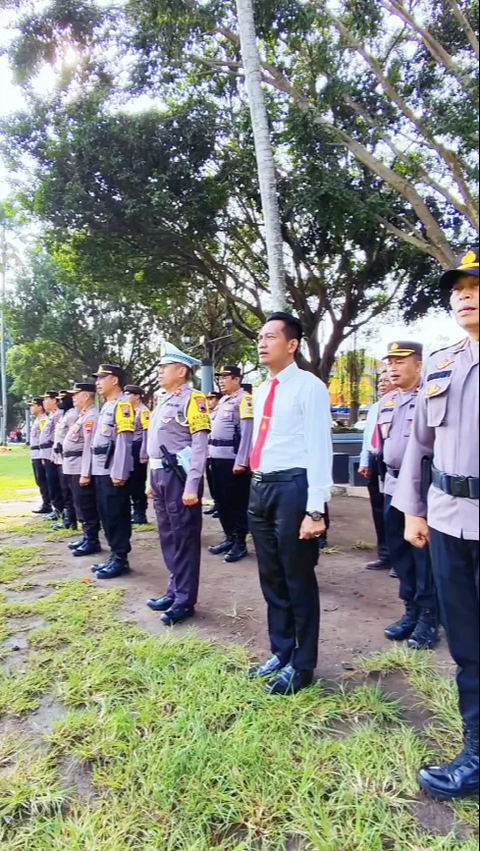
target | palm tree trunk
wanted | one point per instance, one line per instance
(264, 152)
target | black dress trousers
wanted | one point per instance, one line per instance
(232, 494)
(85, 499)
(41, 481)
(138, 481)
(377, 501)
(68, 502)
(278, 506)
(114, 510)
(456, 572)
(54, 487)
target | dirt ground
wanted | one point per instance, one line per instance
(356, 604)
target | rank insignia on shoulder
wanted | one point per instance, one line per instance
(390, 404)
(434, 391)
(444, 364)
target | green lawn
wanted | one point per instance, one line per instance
(160, 743)
(16, 476)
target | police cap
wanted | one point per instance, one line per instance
(404, 350)
(106, 369)
(135, 390)
(37, 400)
(83, 387)
(230, 372)
(466, 264)
(51, 394)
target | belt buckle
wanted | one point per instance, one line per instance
(459, 487)
(258, 476)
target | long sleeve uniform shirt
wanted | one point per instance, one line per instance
(38, 427)
(61, 431)
(446, 427)
(232, 429)
(47, 437)
(395, 421)
(179, 421)
(300, 434)
(77, 447)
(142, 424)
(116, 424)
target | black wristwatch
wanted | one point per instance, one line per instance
(316, 516)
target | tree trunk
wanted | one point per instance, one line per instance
(264, 152)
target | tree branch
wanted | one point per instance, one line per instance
(466, 26)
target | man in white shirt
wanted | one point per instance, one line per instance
(369, 468)
(292, 480)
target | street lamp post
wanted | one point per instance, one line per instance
(208, 361)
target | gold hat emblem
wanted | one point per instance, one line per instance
(394, 347)
(471, 257)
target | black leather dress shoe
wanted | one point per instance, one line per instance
(209, 512)
(88, 548)
(139, 520)
(177, 615)
(76, 544)
(117, 567)
(236, 554)
(378, 565)
(163, 604)
(459, 779)
(393, 574)
(405, 627)
(222, 549)
(289, 682)
(45, 509)
(270, 669)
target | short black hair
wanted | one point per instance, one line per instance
(293, 326)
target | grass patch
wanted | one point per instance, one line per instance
(16, 475)
(184, 754)
(16, 562)
(364, 545)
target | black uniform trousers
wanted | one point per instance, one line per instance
(278, 506)
(41, 481)
(54, 487)
(138, 481)
(85, 500)
(232, 494)
(114, 510)
(210, 480)
(68, 501)
(377, 501)
(414, 566)
(456, 571)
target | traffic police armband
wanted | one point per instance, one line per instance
(125, 418)
(145, 419)
(246, 407)
(198, 417)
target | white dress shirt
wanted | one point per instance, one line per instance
(300, 434)
(368, 434)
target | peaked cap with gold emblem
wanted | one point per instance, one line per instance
(466, 264)
(404, 350)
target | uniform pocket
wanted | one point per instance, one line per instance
(436, 392)
(108, 431)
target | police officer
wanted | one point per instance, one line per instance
(417, 588)
(446, 428)
(47, 441)
(178, 448)
(69, 416)
(230, 449)
(40, 421)
(213, 401)
(111, 468)
(138, 479)
(77, 467)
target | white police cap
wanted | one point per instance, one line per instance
(170, 354)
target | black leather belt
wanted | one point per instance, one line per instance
(100, 450)
(392, 471)
(226, 443)
(46, 446)
(35, 448)
(72, 454)
(461, 487)
(284, 476)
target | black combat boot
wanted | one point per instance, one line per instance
(238, 552)
(426, 635)
(405, 627)
(45, 509)
(88, 548)
(139, 520)
(460, 778)
(118, 566)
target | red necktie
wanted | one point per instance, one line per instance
(256, 459)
